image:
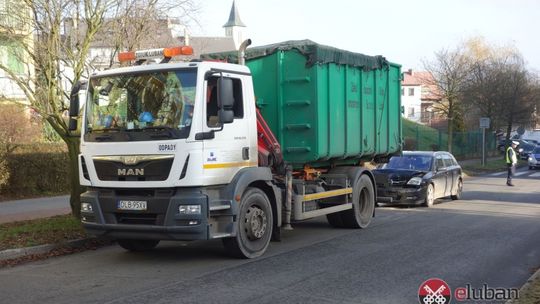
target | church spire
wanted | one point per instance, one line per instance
(234, 17)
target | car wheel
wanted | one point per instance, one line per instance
(459, 190)
(430, 196)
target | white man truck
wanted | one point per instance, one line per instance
(205, 149)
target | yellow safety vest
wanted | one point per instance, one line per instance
(511, 159)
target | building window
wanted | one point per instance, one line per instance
(411, 112)
(411, 91)
(402, 92)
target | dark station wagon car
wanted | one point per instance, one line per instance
(419, 177)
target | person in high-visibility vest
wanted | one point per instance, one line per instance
(511, 161)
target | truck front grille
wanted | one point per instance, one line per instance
(154, 170)
(138, 219)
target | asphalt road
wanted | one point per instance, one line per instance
(27, 209)
(491, 236)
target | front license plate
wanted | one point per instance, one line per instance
(132, 205)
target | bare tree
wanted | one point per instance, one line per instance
(54, 61)
(501, 88)
(450, 70)
(138, 24)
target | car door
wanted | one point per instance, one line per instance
(451, 170)
(440, 176)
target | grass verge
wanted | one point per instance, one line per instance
(53, 230)
(530, 294)
(496, 165)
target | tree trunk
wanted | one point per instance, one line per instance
(73, 164)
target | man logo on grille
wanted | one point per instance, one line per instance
(434, 291)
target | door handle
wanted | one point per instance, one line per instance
(245, 153)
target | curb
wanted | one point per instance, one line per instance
(525, 287)
(16, 253)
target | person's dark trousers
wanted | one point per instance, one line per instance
(511, 171)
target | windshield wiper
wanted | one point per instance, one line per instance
(103, 137)
(105, 130)
(169, 133)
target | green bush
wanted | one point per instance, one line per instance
(36, 169)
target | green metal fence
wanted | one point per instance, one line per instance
(465, 144)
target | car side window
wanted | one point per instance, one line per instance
(439, 163)
(447, 161)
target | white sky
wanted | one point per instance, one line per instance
(405, 31)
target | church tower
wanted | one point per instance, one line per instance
(235, 28)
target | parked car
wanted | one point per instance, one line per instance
(419, 177)
(534, 158)
(525, 148)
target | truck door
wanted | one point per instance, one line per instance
(228, 149)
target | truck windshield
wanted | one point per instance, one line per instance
(144, 106)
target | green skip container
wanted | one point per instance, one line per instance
(326, 106)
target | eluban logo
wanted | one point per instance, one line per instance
(434, 291)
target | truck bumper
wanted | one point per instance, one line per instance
(160, 221)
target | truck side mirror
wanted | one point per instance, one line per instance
(72, 124)
(74, 100)
(225, 100)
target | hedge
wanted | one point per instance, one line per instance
(35, 170)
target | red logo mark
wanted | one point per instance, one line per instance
(434, 291)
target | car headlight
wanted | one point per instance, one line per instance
(415, 181)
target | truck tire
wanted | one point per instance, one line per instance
(138, 245)
(254, 226)
(363, 205)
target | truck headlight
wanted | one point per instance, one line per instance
(189, 209)
(86, 207)
(415, 181)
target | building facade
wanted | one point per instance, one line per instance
(418, 95)
(15, 34)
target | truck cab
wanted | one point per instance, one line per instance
(160, 147)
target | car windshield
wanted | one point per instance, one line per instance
(410, 162)
(536, 150)
(145, 101)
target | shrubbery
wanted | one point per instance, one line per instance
(29, 169)
(35, 169)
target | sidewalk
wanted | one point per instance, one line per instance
(27, 209)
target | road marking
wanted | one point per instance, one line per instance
(535, 174)
(521, 173)
(497, 173)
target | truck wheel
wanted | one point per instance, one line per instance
(254, 226)
(138, 245)
(363, 205)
